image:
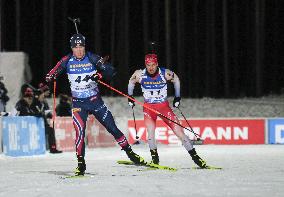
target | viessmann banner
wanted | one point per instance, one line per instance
(212, 131)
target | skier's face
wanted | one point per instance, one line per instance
(151, 67)
(78, 52)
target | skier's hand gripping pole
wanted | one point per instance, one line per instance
(142, 104)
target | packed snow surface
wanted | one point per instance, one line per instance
(248, 170)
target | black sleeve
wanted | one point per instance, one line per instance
(3, 93)
(35, 108)
(104, 67)
(46, 106)
(23, 109)
(108, 71)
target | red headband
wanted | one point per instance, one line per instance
(151, 58)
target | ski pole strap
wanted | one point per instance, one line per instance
(142, 104)
(54, 103)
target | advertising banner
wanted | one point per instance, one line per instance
(276, 131)
(23, 136)
(96, 134)
(64, 133)
(1, 144)
(212, 131)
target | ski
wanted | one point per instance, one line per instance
(207, 168)
(87, 175)
(152, 165)
(147, 164)
(73, 177)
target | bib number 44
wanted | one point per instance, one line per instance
(86, 78)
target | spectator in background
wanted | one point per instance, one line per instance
(45, 89)
(23, 106)
(39, 108)
(64, 106)
(3, 96)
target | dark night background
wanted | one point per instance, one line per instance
(218, 48)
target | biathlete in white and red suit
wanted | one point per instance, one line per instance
(84, 69)
(153, 80)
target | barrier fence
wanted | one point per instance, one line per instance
(24, 136)
(218, 131)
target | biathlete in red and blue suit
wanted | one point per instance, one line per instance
(153, 80)
(84, 69)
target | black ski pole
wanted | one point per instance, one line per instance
(133, 114)
(75, 21)
(198, 138)
(54, 104)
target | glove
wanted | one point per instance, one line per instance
(131, 103)
(96, 77)
(102, 61)
(176, 102)
(49, 78)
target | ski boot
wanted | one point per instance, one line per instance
(135, 158)
(53, 150)
(197, 160)
(80, 170)
(155, 156)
